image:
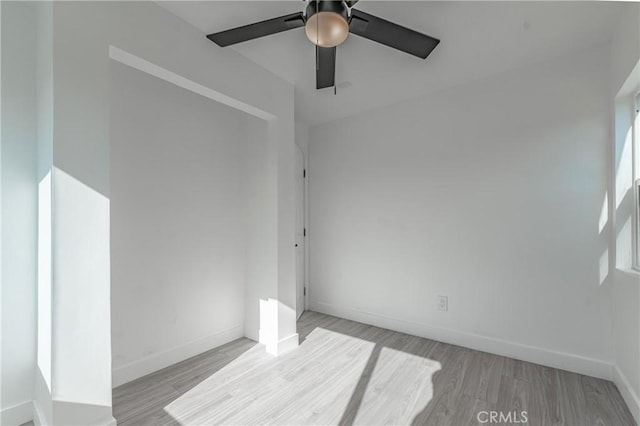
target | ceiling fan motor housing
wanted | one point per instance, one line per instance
(314, 7)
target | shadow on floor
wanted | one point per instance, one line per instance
(473, 384)
(468, 382)
(142, 401)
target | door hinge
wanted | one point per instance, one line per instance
(305, 291)
(304, 173)
(304, 232)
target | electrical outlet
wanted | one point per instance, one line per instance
(443, 303)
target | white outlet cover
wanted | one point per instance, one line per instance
(443, 303)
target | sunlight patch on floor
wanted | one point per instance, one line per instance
(314, 384)
(403, 373)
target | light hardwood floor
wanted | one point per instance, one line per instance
(345, 372)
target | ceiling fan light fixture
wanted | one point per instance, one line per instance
(327, 29)
(327, 24)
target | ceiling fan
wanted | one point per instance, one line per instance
(327, 24)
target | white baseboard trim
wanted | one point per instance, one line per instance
(38, 417)
(149, 364)
(42, 403)
(287, 344)
(628, 393)
(561, 360)
(281, 346)
(71, 413)
(17, 415)
(28, 411)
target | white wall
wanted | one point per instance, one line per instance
(260, 215)
(625, 83)
(302, 137)
(19, 211)
(177, 235)
(81, 352)
(488, 193)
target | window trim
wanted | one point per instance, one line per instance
(635, 163)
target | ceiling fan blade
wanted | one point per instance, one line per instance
(257, 30)
(351, 3)
(325, 67)
(392, 35)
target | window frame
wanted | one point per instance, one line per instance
(635, 170)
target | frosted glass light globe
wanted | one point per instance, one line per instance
(327, 29)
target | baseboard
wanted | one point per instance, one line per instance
(42, 403)
(17, 415)
(628, 393)
(550, 358)
(287, 344)
(38, 417)
(28, 411)
(281, 346)
(158, 361)
(71, 413)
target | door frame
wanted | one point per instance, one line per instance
(305, 226)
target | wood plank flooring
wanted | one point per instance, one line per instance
(347, 373)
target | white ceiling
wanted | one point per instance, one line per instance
(477, 39)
